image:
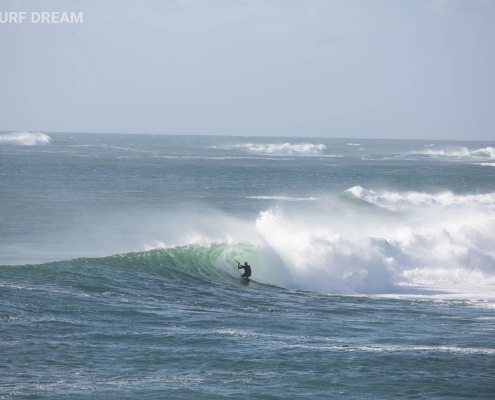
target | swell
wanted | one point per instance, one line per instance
(191, 264)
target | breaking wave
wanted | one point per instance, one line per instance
(395, 201)
(25, 139)
(358, 251)
(455, 151)
(418, 246)
(359, 242)
(285, 149)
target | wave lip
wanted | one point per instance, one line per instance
(26, 139)
(285, 149)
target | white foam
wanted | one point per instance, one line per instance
(311, 256)
(458, 151)
(25, 139)
(396, 201)
(282, 198)
(401, 349)
(285, 149)
(435, 244)
(450, 276)
(487, 164)
(486, 152)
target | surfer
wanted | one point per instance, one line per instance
(247, 269)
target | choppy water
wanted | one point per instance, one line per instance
(373, 267)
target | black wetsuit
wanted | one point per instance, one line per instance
(247, 270)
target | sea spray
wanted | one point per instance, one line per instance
(364, 252)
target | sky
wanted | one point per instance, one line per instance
(411, 69)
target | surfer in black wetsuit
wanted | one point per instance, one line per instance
(247, 269)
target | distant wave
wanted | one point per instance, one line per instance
(487, 164)
(487, 152)
(283, 198)
(285, 149)
(25, 139)
(395, 201)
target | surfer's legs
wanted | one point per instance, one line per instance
(245, 275)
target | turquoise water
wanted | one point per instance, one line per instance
(373, 267)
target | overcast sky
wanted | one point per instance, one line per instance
(386, 69)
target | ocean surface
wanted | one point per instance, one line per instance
(373, 267)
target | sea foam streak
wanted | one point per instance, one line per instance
(25, 139)
(285, 149)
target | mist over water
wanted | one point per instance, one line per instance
(118, 250)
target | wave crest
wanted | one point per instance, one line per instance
(285, 149)
(26, 139)
(455, 151)
(395, 201)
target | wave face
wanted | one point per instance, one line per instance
(26, 139)
(189, 264)
(285, 149)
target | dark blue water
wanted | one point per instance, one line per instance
(373, 267)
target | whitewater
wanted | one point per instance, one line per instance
(373, 267)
